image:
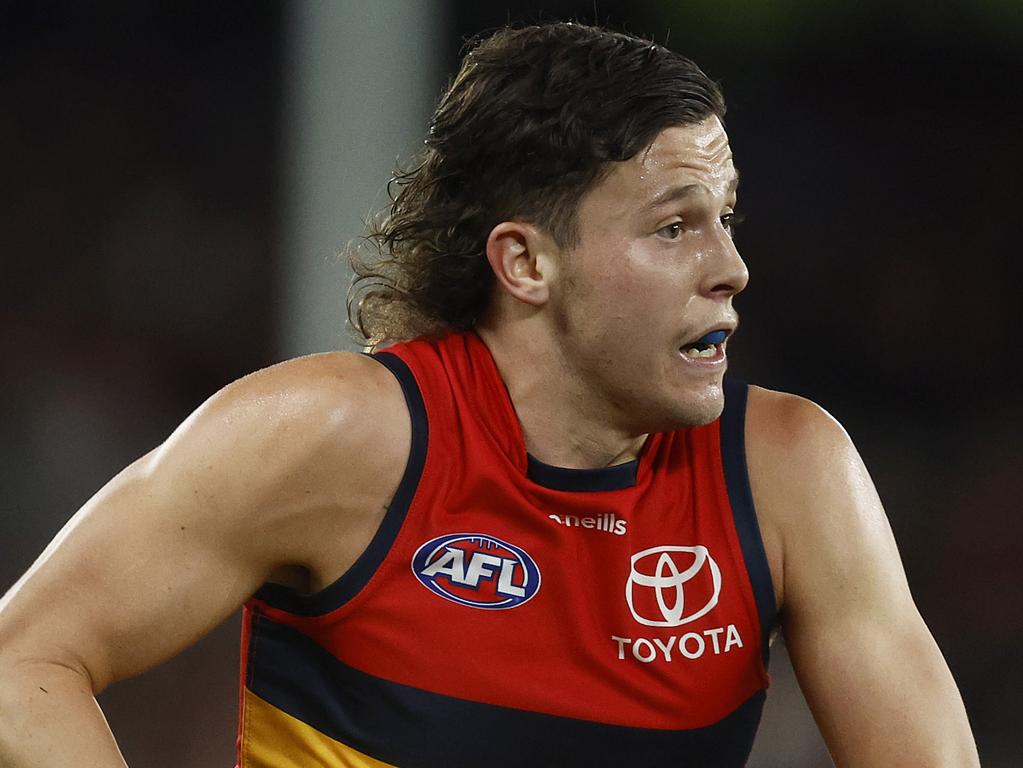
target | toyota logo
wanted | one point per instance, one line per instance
(657, 570)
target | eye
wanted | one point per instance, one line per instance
(730, 221)
(671, 231)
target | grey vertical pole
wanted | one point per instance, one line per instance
(360, 81)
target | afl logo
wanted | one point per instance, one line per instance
(476, 570)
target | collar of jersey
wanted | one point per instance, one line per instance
(613, 478)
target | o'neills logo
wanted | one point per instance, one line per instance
(609, 522)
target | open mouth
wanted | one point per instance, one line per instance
(706, 347)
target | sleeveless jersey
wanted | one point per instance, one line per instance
(512, 613)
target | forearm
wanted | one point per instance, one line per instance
(49, 718)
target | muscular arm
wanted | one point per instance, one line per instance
(256, 480)
(872, 674)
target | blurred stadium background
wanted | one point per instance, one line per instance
(180, 177)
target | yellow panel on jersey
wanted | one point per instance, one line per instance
(275, 739)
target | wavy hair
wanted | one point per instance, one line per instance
(533, 120)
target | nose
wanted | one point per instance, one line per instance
(726, 273)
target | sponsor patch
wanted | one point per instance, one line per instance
(672, 586)
(477, 570)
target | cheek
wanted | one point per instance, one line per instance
(621, 296)
(649, 295)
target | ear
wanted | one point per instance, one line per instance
(520, 257)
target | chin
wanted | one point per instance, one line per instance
(699, 408)
(674, 415)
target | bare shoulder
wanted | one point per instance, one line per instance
(339, 409)
(796, 447)
(332, 402)
(310, 450)
(323, 393)
(790, 427)
(813, 494)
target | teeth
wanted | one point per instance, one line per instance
(710, 351)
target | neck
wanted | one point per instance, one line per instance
(562, 423)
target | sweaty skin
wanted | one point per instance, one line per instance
(282, 475)
(285, 475)
(590, 338)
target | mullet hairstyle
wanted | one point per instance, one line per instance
(533, 120)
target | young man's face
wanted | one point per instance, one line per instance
(655, 270)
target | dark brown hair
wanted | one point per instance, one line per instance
(530, 123)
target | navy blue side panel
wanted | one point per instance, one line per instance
(355, 578)
(733, 455)
(412, 728)
(564, 479)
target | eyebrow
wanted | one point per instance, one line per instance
(677, 193)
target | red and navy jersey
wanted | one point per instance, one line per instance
(512, 613)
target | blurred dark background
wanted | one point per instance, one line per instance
(154, 245)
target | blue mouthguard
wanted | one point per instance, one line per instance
(714, 337)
